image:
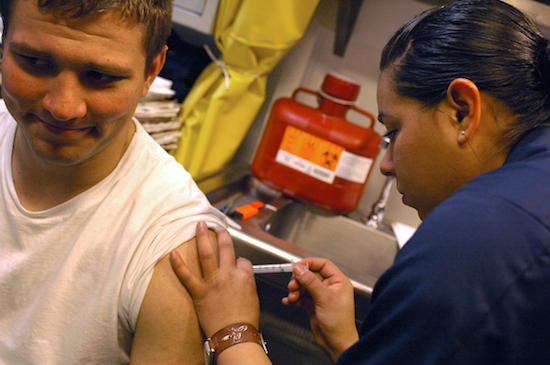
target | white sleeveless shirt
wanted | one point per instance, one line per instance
(73, 277)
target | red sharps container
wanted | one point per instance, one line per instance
(316, 155)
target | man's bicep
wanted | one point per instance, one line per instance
(167, 330)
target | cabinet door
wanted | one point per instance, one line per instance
(195, 14)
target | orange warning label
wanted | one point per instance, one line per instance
(312, 148)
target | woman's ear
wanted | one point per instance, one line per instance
(464, 98)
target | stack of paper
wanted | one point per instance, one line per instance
(159, 115)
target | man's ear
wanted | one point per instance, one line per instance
(154, 70)
(464, 98)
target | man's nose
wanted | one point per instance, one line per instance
(65, 98)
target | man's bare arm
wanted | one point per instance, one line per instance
(167, 330)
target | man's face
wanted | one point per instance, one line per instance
(72, 84)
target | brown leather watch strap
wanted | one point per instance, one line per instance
(235, 334)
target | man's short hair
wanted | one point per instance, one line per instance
(155, 16)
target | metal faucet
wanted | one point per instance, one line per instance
(379, 208)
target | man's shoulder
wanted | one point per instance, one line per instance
(147, 161)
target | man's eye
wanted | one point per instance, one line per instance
(101, 78)
(388, 138)
(38, 63)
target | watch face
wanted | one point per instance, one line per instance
(208, 353)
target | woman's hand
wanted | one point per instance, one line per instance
(327, 295)
(226, 294)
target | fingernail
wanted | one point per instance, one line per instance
(299, 270)
(174, 256)
(201, 225)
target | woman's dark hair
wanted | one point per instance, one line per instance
(488, 42)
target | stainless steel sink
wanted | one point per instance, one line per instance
(288, 230)
(363, 252)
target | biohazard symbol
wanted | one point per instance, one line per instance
(311, 148)
(331, 159)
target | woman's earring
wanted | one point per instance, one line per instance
(463, 133)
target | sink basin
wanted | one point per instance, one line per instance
(362, 252)
(288, 230)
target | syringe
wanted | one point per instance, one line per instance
(273, 268)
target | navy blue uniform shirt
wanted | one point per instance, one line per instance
(472, 286)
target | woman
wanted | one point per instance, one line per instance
(464, 92)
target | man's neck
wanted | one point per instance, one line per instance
(41, 185)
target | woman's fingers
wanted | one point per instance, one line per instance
(226, 249)
(222, 295)
(312, 283)
(183, 273)
(245, 264)
(292, 298)
(207, 255)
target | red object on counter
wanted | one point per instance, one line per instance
(247, 211)
(316, 155)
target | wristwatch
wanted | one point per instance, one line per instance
(229, 336)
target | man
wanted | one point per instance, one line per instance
(90, 205)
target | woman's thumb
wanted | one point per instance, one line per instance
(310, 281)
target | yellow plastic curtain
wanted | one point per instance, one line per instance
(252, 36)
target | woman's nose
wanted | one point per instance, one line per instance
(386, 164)
(65, 98)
